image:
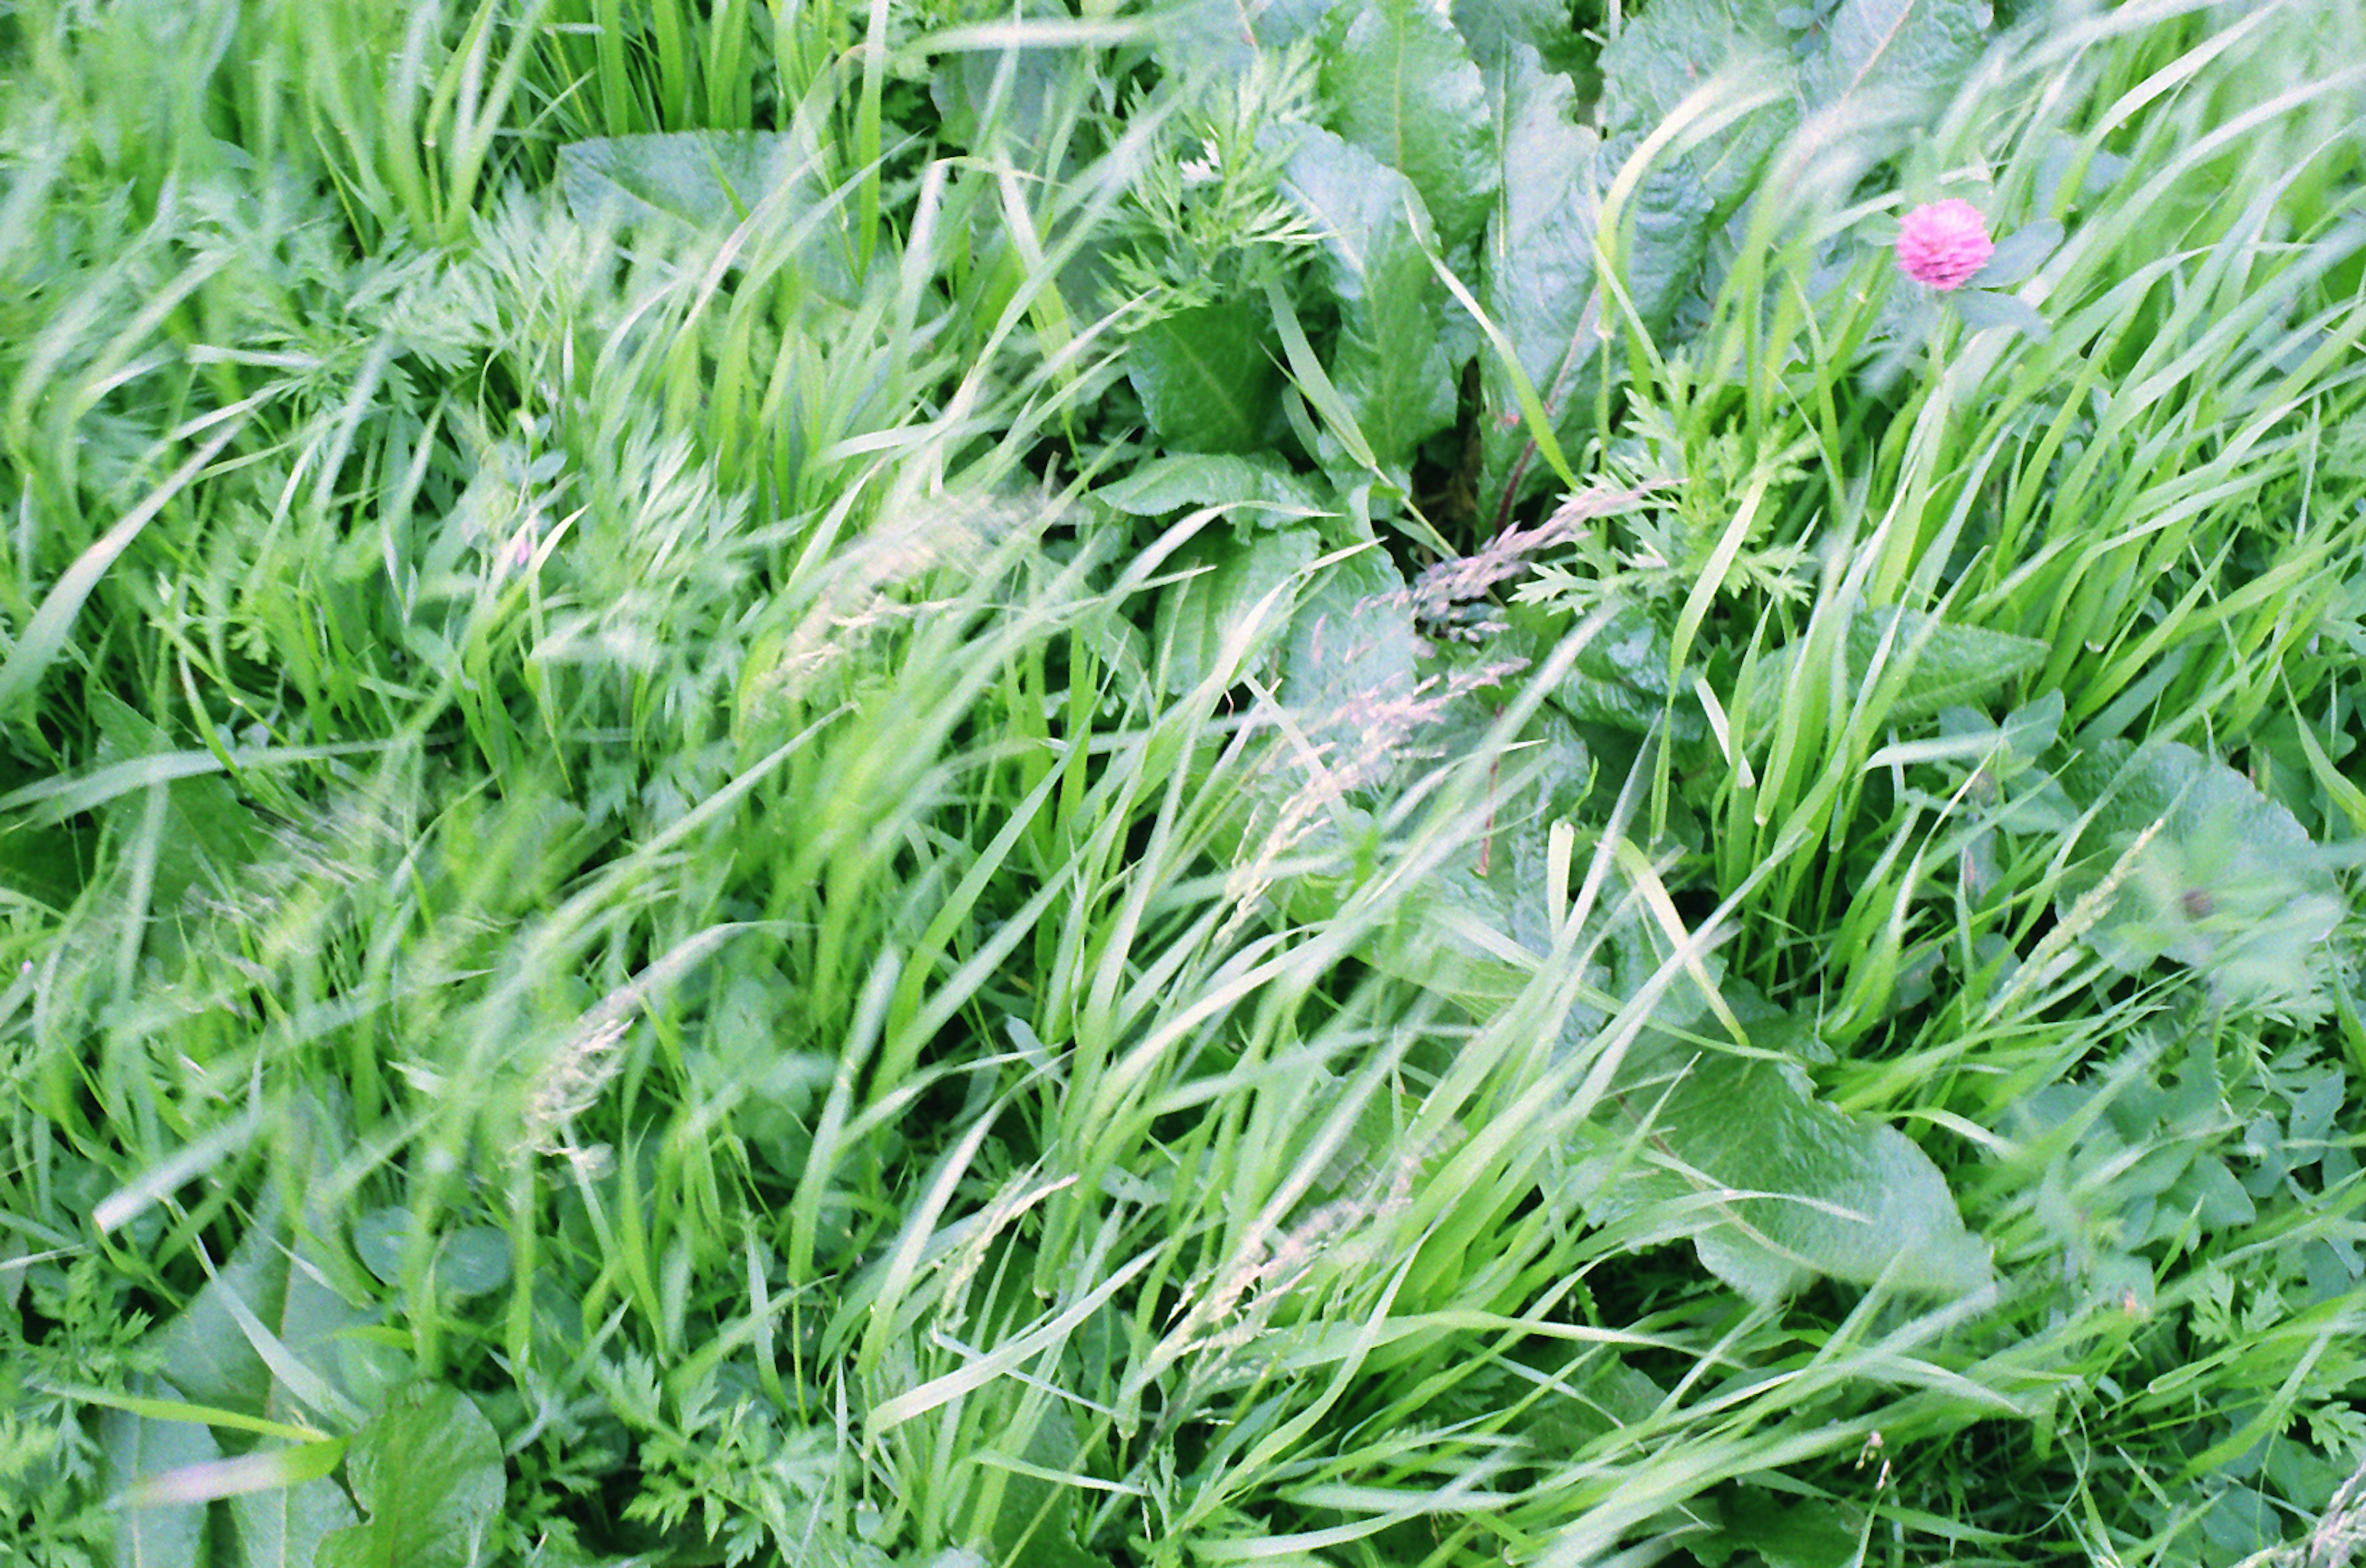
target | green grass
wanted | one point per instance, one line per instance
(637, 927)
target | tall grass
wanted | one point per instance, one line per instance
(602, 802)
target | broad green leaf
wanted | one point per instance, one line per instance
(1669, 51)
(1229, 612)
(1905, 54)
(1817, 1534)
(1690, 188)
(1400, 85)
(1492, 27)
(1936, 663)
(1391, 366)
(1205, 380)
(208, 1354)
(48, 864)
(1981, 308)
(1349, 657)
(1008, 96)
(428, 1470)
(1255, 488)
(2019, 254)
(1222, 36)
(468, 1261)
(2206, 870)
(1539, 280)
(134, 1448)
(1619, 678)
(204, 1353)
(1782, 1188)
(1925, 664)
(207, 832)
(707, 179)
(283, 1528)
(267, 1338)
(473, 1261)
(1036, 1517)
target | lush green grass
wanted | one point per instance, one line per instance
(647, 918)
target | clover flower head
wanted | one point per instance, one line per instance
(1944, 244)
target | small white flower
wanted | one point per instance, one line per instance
(1205, 170)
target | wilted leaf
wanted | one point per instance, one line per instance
(1391, 366)
(1204, 379)
(1400, 85)
(428, 1470)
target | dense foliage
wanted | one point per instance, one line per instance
(1305, 783)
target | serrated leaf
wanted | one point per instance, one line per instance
(1205, 380)
(1540, 285)
(1256, 487)
(1907, 54)
(1391, 366)
(1228, 613)
(1785, 1188)
(2227, 882)
(428, 1470)
(1400, 85)
(165, 1535)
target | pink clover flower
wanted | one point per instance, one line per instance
(1944, 244)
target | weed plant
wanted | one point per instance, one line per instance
(1304, 784)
